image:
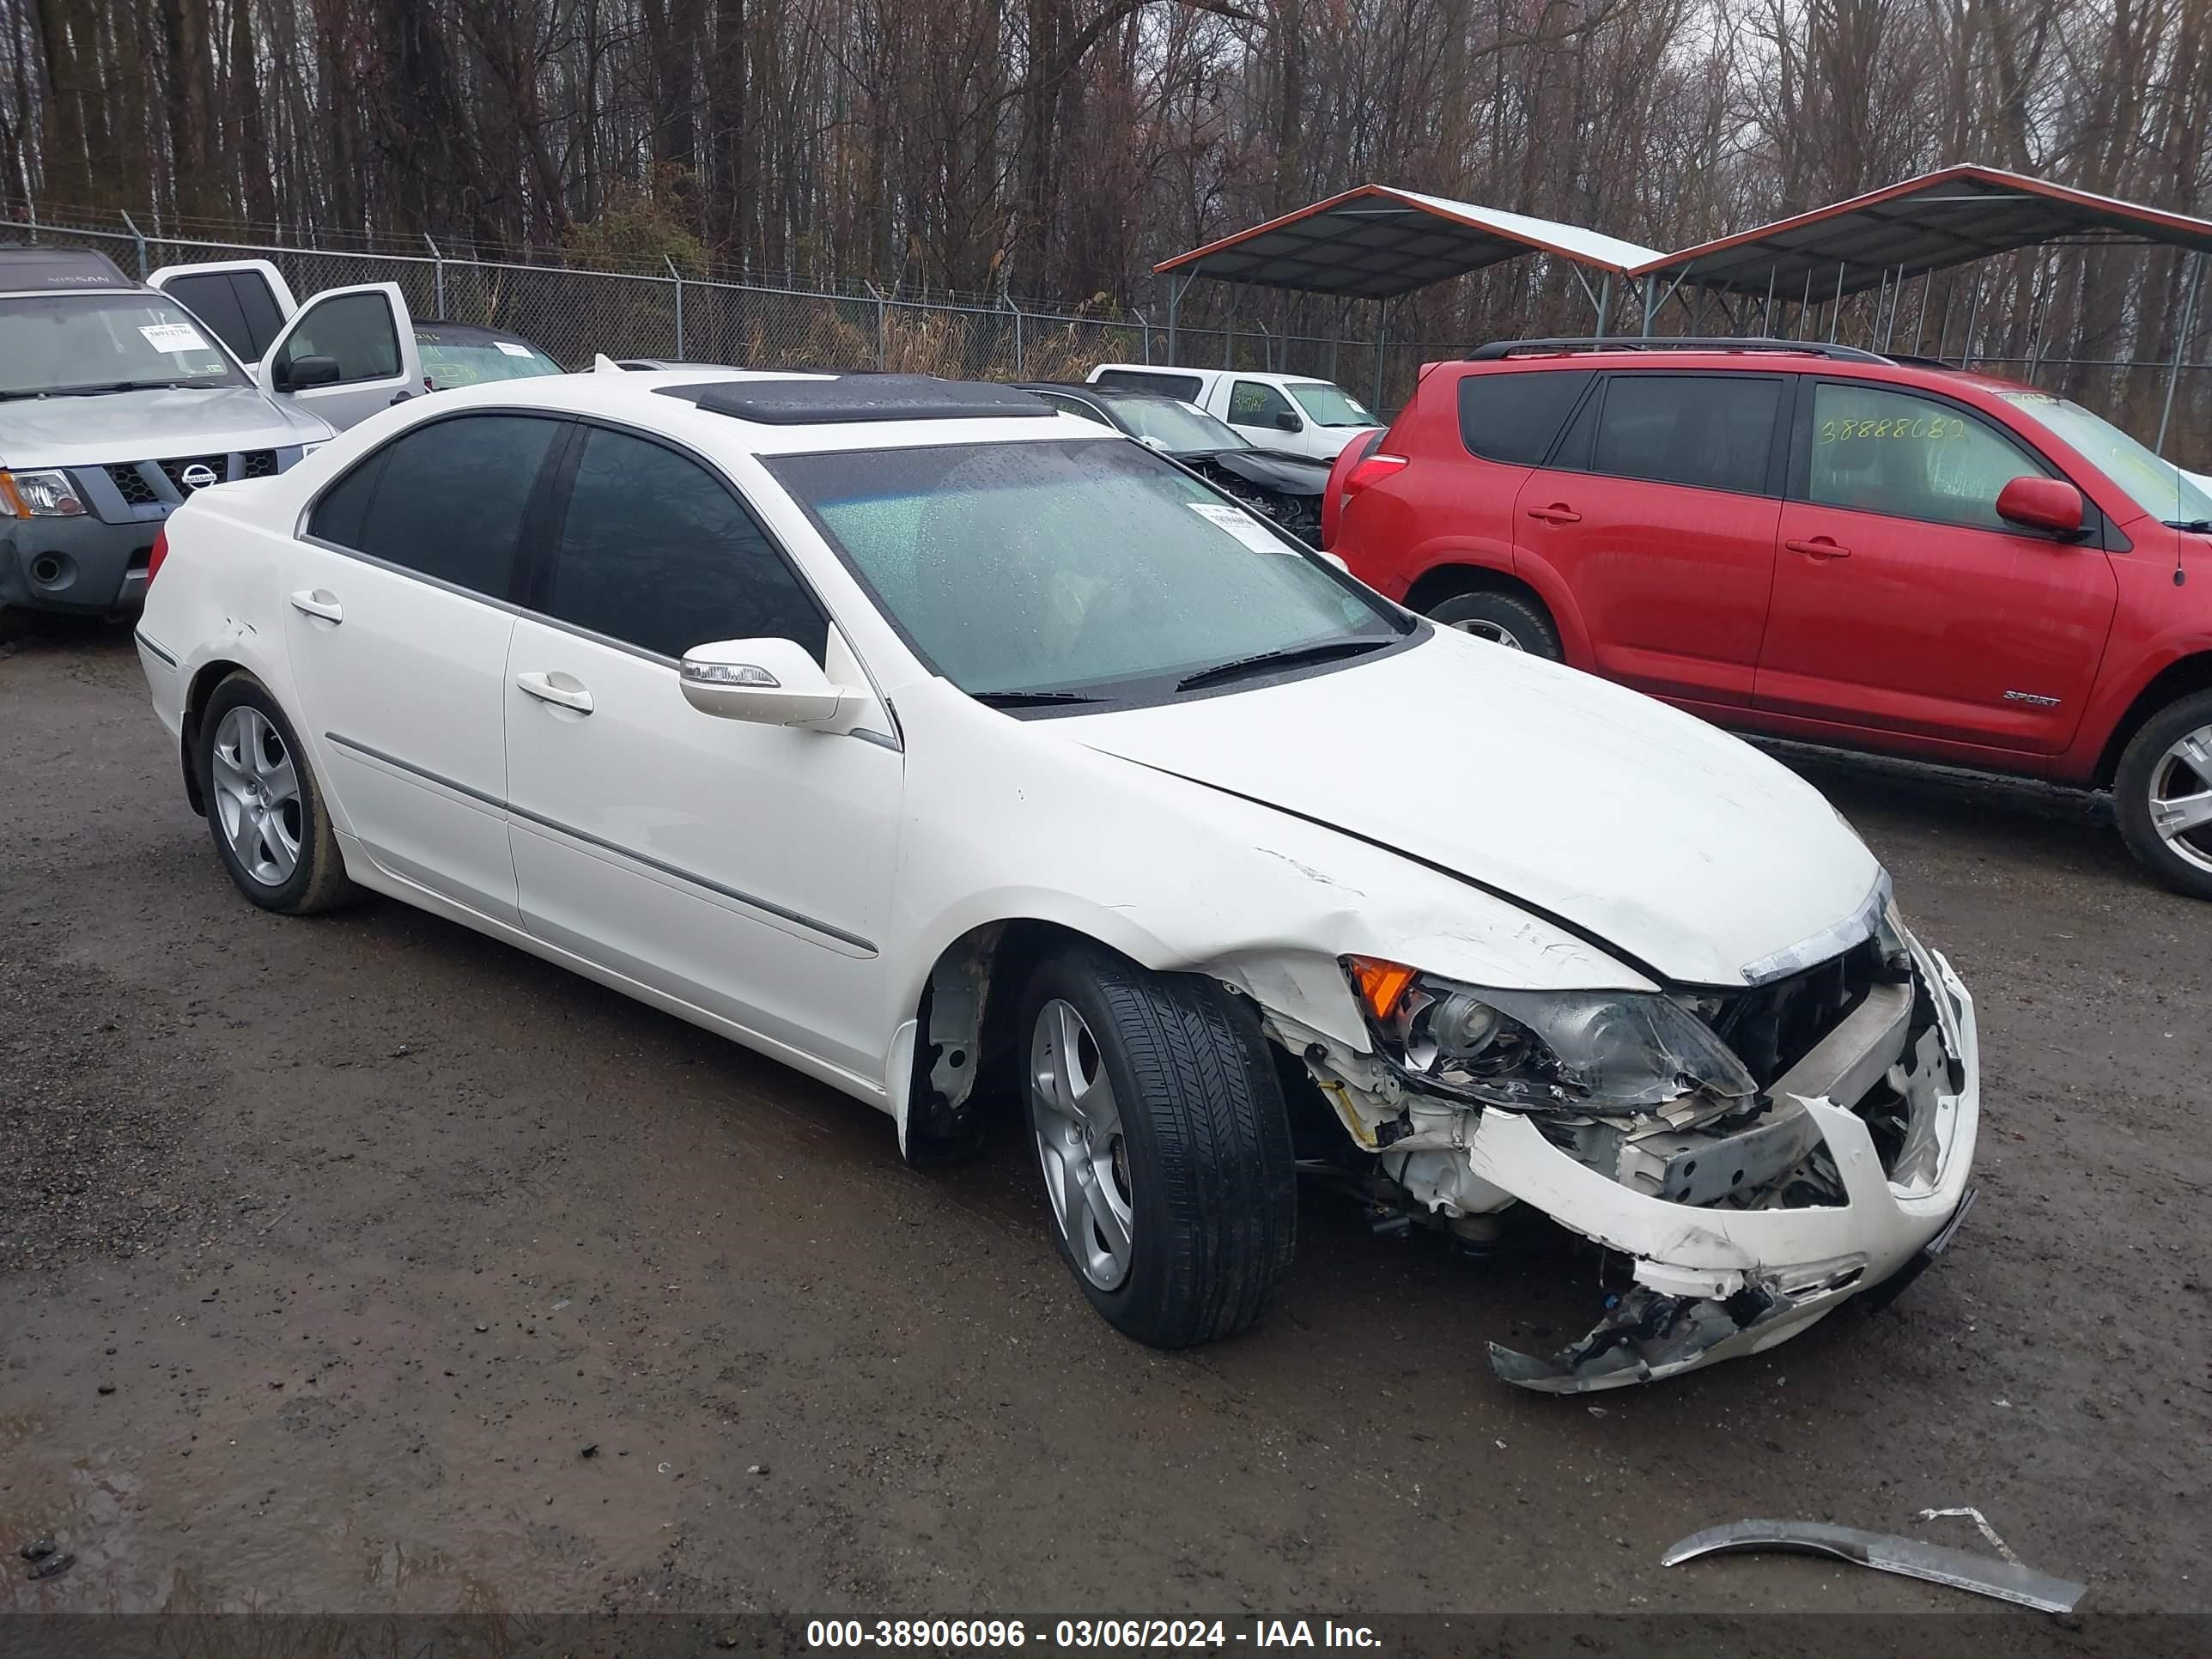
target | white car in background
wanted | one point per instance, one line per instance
(1296, 414)
(956, 753)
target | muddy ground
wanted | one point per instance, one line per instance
(330, 1249)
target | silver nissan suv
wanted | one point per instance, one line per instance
(116, 404)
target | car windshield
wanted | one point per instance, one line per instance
(1175, 425)
(1076, 567)
(2157, 486)
(453, 359)
(1330, 405)
(88, 342)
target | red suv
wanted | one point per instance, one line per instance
(1815, 543)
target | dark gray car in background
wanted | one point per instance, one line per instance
(1287, 489)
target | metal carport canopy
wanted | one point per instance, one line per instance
(1375, 242)
(1950, 217)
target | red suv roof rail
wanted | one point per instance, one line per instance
(1498, 348)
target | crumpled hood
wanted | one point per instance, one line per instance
(149, 426)
(1642, 825)
(1294, 475)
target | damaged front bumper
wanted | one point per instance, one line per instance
(1713, 1283)
(1731, 1250)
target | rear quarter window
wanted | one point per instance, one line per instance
(1515, 417)
(236, 304)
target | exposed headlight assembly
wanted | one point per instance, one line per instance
(39, 496)
(1596, 1052)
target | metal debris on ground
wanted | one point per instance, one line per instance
(1971, 1513)
(2007, 1581)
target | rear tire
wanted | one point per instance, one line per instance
(264, 808)
(2165, 765)
(1505, 619)
(1161, 1133)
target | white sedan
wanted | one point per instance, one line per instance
(962, 754)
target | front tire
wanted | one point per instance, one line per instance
(264, 807)
(1164, 1145)
(1505, 619)
(2162, 795)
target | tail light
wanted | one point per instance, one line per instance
(1372, 470)
(1349, 461)
(160, 552)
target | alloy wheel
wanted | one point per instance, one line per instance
(1079, 1141)
(1496, 632)
(2181, 797)
(257, 796)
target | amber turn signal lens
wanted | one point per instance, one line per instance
(1380, 983)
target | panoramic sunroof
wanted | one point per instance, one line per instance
(857, 398)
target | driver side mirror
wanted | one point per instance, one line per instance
(300, 373)
(768, 681)
(2050, 505)
(1289, 421)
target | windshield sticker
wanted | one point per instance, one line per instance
(173, 338)
(1240, 524)
(513, 350)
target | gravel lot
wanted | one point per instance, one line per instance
(327, 1249)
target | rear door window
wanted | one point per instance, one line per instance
(1708, 431)
(658, 553)
(236, 304)
(1514, 417)
(445, 500)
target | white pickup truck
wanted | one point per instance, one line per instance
(1293, 413)
(344, 353)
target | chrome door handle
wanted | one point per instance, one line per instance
(541, 686)
(317, 603)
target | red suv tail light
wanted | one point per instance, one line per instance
(160, 551)
(1372, 470)
(1354, 456)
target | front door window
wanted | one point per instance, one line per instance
(1879, 450)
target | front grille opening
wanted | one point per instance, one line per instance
(174, 471)
(259, 464)
(1773, 1027)
(130, 483)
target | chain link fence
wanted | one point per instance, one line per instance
(575, 313)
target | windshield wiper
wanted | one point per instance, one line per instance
(1028, 699)
(1268, 660)
(96, 390)
(2194, 527)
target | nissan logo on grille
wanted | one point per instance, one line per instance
(198, 476)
